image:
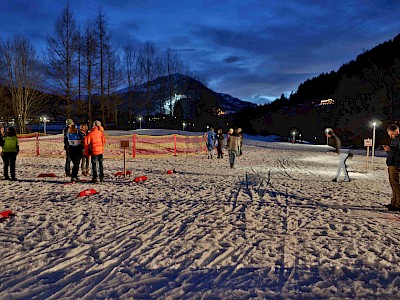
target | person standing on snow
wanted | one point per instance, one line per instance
(74, 139)
(240, 134)
(393, 164)
(209, 136)
(10, 149)
(233, 147)
(94, 143)
(220, 138)
(84, 130)
(68, 123)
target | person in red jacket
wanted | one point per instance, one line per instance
(94, 144)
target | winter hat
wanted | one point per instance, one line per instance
(69, 122)
(11, 131)
(96, 123)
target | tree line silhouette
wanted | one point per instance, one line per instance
(364, 90)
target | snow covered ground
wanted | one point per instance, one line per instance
(275, 227)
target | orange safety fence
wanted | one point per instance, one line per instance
(139, 145)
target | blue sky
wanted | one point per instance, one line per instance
(254, 50)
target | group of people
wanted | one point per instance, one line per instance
(10, 150)
(216, 140)
(82, 145)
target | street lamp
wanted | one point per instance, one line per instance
(183, 126)
(327, 137)
(45, 120)
(140, 122)
(294, 135)
(373, 145)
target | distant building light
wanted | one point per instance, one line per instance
(327, 102)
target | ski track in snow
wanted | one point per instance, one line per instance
(274, 227)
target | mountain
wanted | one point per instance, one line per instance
(180, 97)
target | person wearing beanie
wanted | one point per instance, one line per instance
(74, 139)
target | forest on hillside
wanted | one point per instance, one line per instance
(364, 91)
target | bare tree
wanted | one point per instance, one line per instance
(89, 62)
(129, 60)
(23, 78)
(103, 44)
(62, 55)
(172, 65)
(114, 79)
(149, 62)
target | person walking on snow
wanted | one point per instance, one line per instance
(393, 164)
(94, 143)
(209, 136)
(343, 156)
(10, 150)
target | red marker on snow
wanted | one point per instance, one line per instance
(6, 214)
(122, 173)
(140, 178)
(87, 192)
(47, 175)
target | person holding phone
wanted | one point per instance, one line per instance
(393, 164)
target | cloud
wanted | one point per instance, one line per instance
(253, 49)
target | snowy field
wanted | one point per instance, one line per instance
(275, 227)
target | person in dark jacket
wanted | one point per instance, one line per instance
(220, 137)
(68, 123)
(74, 139)
(84, 130)
(10, 149)
(393, 164)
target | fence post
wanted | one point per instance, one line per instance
(37, 144)
(133, 145)
(174, 144)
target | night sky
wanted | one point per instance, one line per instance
(251, 49)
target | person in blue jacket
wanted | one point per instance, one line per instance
(210, 137)
(74, 141)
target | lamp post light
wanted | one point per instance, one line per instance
(373, 145)
(327, 137)
(140, 122)
(183, 126)
(294, 136)
(45, 120)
